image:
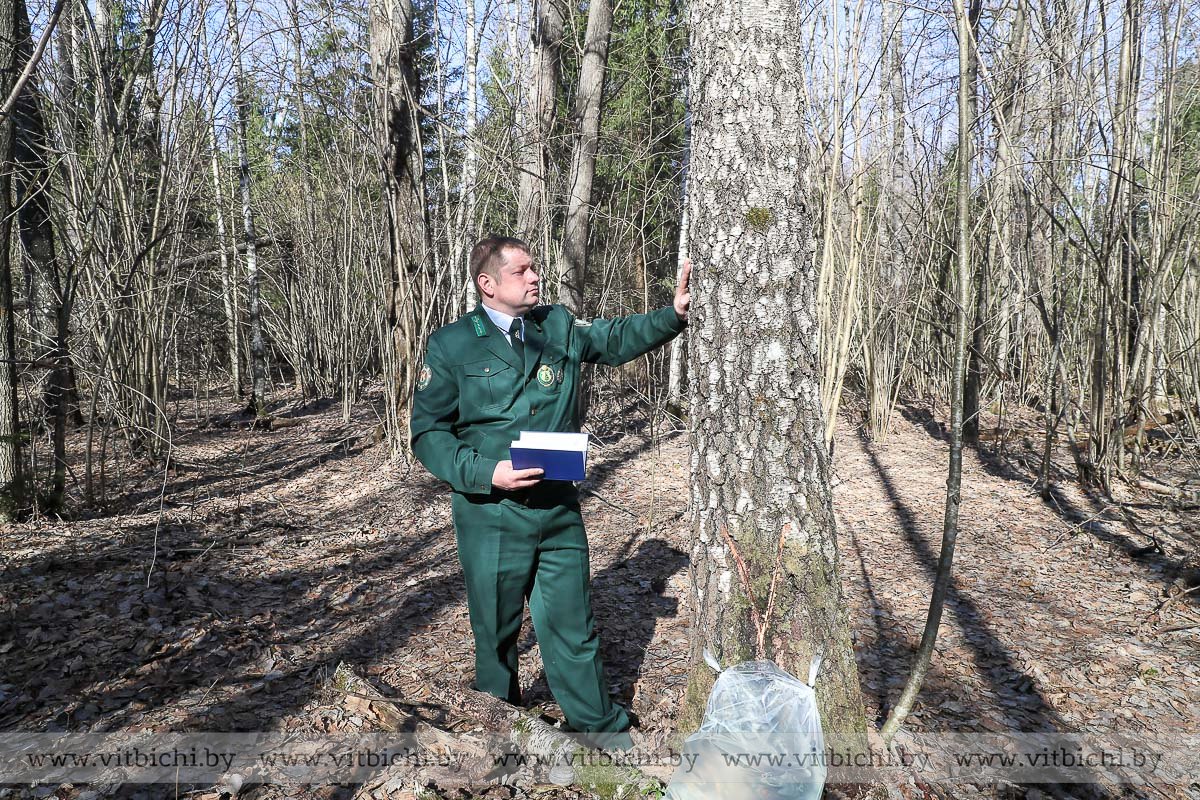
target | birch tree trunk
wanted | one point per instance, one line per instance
(583, 158)
(258, 352)
(228, 277)
(467, 233)
(544, 77)
(760, 473)
(463, 232)
(675, 363)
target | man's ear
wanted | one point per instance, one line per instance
(486, 284)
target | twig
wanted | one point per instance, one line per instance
(761, 623)
(204, 696)
(608, 502)
(1166, 603)
(775, 570)
(1162, 607)
(1073, 528)
(27, 72)
(745, 575)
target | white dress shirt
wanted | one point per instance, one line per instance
(504, 322)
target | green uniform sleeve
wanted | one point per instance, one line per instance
(615, 341)
(434, 440)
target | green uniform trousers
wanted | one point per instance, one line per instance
(532, 545)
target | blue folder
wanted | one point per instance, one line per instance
(562, 456)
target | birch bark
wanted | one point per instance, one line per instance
(258, 353)
(228, 278)
(760, 473)
(468, 233)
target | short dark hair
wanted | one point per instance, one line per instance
(488, 251)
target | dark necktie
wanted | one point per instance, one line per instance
(514, 333)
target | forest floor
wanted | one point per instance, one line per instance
(223, 595)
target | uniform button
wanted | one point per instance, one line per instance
(487, 369)
(533, 410)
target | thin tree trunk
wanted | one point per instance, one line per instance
(883, 339)
(228, 281)
(1010, 233)
(966, 25)
(974, 381)
(302, 123)
(588, 97)
(465, 233)
(835, 328)
(11, 478)
(675, 364)
(258, 355)
(1110, 330)
(760, 469)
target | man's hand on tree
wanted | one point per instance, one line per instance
(506, 478)
(683, 295)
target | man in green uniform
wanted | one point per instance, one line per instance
(512, 365)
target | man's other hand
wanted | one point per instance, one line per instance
(506, 478)
(683, 295)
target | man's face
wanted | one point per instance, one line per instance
(515, 292)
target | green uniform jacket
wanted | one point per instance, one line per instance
(473, 398)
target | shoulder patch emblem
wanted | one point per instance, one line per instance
(583, 323)
(545, 375)
(425, 376)
(478, 323)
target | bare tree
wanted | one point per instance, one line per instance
(258, 351)
(393, 64)
(47, 282)
(11, 484)
(588, 97)
(544, 81)
(466, 225)
(229, 293)
(966, 25)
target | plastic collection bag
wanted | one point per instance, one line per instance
(761, 738)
